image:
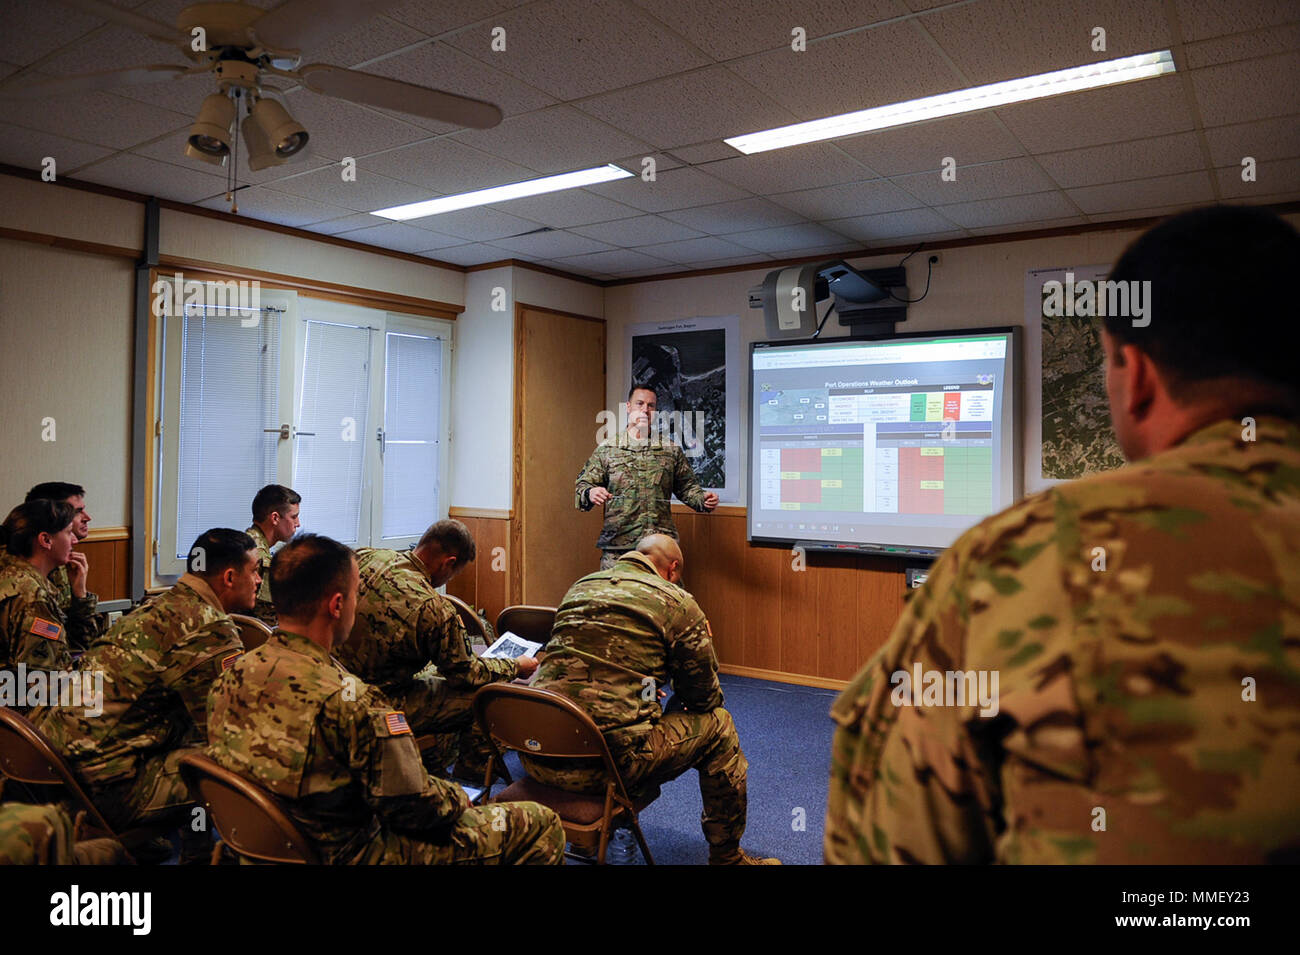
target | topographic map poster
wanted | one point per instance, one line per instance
(1074, 431)
(694, 366)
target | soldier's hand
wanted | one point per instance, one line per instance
(78, 570)
(527, 667)
(710, 501)
(598, 496)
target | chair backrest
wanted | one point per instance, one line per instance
(248, 818)
(530, 622)
(252, 631)
(468, 617)
(26, 756)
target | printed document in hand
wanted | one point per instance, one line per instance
(512, 647)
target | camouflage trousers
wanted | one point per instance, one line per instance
(508, 833)
(156, 798)
(608, 558)
(679, 741)
(35, 835)
(442, 719)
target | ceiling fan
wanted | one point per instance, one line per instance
(243, 46)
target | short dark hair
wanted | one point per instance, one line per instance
(55, 491)
(221, 548)
(305, 571)
(273, 497)
(1221, 304)
(452, 538)
(25, 522)
(641, 386)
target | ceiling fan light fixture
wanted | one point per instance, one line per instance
(285, 135)
(260, 154)
(209, 138)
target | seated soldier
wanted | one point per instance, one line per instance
(620, 636)
(158, 664)
(275, 520)
(403, 625)
(292, 719)
(38, 537)
(43, 835)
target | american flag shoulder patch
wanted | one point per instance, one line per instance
(397, 724)
(46, 628)
(228, 661)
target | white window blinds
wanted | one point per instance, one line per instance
(412, 424)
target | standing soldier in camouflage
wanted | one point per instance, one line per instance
(620, 636)
(83, 624)
(37, 538)
(275, 520)
(158, 664)
(403, 625)
(1143, 624)
(634, 477)
(291, 718)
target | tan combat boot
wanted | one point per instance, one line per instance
(738, 856)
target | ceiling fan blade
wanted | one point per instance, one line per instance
(93, 82)
(133, 21)
(307, 24)
(358, 87)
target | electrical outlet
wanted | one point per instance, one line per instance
(934, 259)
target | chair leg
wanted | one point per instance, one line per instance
(606, 824)
(640, 840)
(216, 853)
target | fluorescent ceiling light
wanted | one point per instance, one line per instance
(1076, 78)
(514, 190)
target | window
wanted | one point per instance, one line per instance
(347, 405)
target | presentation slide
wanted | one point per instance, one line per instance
(889, 446)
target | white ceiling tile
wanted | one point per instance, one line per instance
(366, 194)
(848, 199)
(478, 224)
(786, 237)
(1242, 46)
(28, 149)
(444, 166)
(705, 152)
(743, 215)
(558, 139)
(1136, 110)
(264, 205)
(1154, 212)
(991, 212)
(367, 40)
(1271, 176)
(1263, 139)
(706, 104)
(1061, 223)
(697, 250)
(552, 245)
(347, 223)
(1187, 188)
(100, 118)
(612, 263)
(151, 178)
(978, 137)
(560, 210)
(1009, 177)
(402, 237)
(883, 65)
(890, 225)
(33, 30)
(636, 163)
(184, 95)
(674, 189)
(729, 28)
(434, 17)
(1200, 19)
(337, 128)
(573, 48)
(1004, 39)
(1093, 165)
(660, 270)
(474, 253)
(1250, 89)
(643, 230)
(816, 164)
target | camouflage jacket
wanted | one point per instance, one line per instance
(158, 665)
(294, 720)
(642, 476)
(622, 634)
(263, 609)
(79, 612)
(1144, 629)
(35, 835)
(33, 628)
(403, 624)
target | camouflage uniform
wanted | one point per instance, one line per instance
(158, 664)
(1119, 689)
(294, 720)
(403, 625)
(33, 628)
(82, 621)
(619, 636)
(642, 475)
(35, 835)
(264, 609)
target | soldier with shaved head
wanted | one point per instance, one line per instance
(621, 636)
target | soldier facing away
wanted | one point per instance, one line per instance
(293, 719)
(275, 520)
(620, 636)
(1144, 624)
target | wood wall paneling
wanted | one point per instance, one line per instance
(485, 583)
(108, 551)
